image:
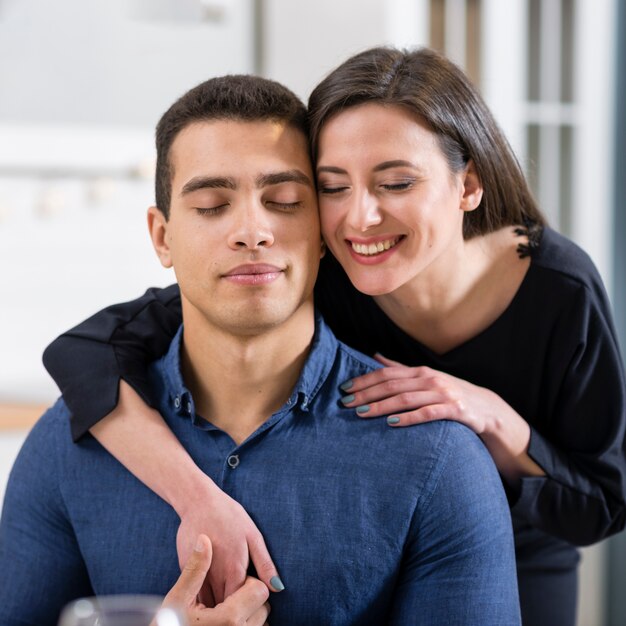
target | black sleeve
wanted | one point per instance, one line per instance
(88, 361)
(582, 448)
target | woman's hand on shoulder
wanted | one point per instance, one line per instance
(414, 395)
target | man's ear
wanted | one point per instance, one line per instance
(472, 188)
(158, 227)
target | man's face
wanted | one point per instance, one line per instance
(243, 234)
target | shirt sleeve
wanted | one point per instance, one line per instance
(41, 568)
(580, 443)
(88, 361)
(459, 566)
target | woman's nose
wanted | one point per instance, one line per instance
(364, 212)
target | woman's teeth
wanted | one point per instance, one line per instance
(369, 249)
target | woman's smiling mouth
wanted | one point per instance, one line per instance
(374, 248)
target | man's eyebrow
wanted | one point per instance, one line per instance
(207, 182)
(288, 176)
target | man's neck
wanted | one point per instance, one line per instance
(239, 381)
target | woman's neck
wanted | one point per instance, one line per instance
(448, 304)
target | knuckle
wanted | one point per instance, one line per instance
(429, 413)
(437, 382)
(256, 540)
(193, 567)
(261, 591)
(448, 393)
(394, 386)
(265, 566)
(405, 399)
(385, 373)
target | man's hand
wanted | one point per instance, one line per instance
(248, 605)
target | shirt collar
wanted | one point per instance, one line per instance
(314, 373)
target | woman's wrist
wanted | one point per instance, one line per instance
(196, 487)
(507, 437)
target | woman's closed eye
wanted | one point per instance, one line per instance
(399, 186)
(329, 191)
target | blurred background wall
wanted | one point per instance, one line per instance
(83, 82)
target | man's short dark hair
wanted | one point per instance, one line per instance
(236, 97)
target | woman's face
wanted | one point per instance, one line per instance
(390, 207)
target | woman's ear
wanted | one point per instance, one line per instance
(323, 250)
(158, 227)
(472, 188)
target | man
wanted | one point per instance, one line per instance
(368, 524)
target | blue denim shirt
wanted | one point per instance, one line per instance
(367, 524)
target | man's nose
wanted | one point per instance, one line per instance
(252, 229)
(364, 211)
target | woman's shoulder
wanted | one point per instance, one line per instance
(560, 255)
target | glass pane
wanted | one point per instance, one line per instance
(472, 53)
(437, 25)
(567, 50)
(565, 179)
(534, 49)
(532, 163)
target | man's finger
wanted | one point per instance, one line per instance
(249, 599)
(192, 577)
(259, 617)
(265, 568)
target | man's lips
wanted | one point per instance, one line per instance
(253, 274)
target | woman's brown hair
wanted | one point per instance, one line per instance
(439, 94)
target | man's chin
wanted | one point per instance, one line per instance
(253, 321)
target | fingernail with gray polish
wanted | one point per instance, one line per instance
(363, 409)
(346, 385)
(277, 583)
(348, 399)
(393, 420)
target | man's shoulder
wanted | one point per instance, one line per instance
(355, 361)
(52, 427)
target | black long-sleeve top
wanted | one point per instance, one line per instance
(552, 355)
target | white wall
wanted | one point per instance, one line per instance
(305, 40)
(10, 443)
(82, 84)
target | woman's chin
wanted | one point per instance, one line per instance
(372, 284)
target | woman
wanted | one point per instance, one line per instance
(441, 261)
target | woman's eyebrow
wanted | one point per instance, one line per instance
(385, 165)
(331, 169)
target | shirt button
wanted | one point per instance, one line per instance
(188, 407)
(177, 402)
(233, 461)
